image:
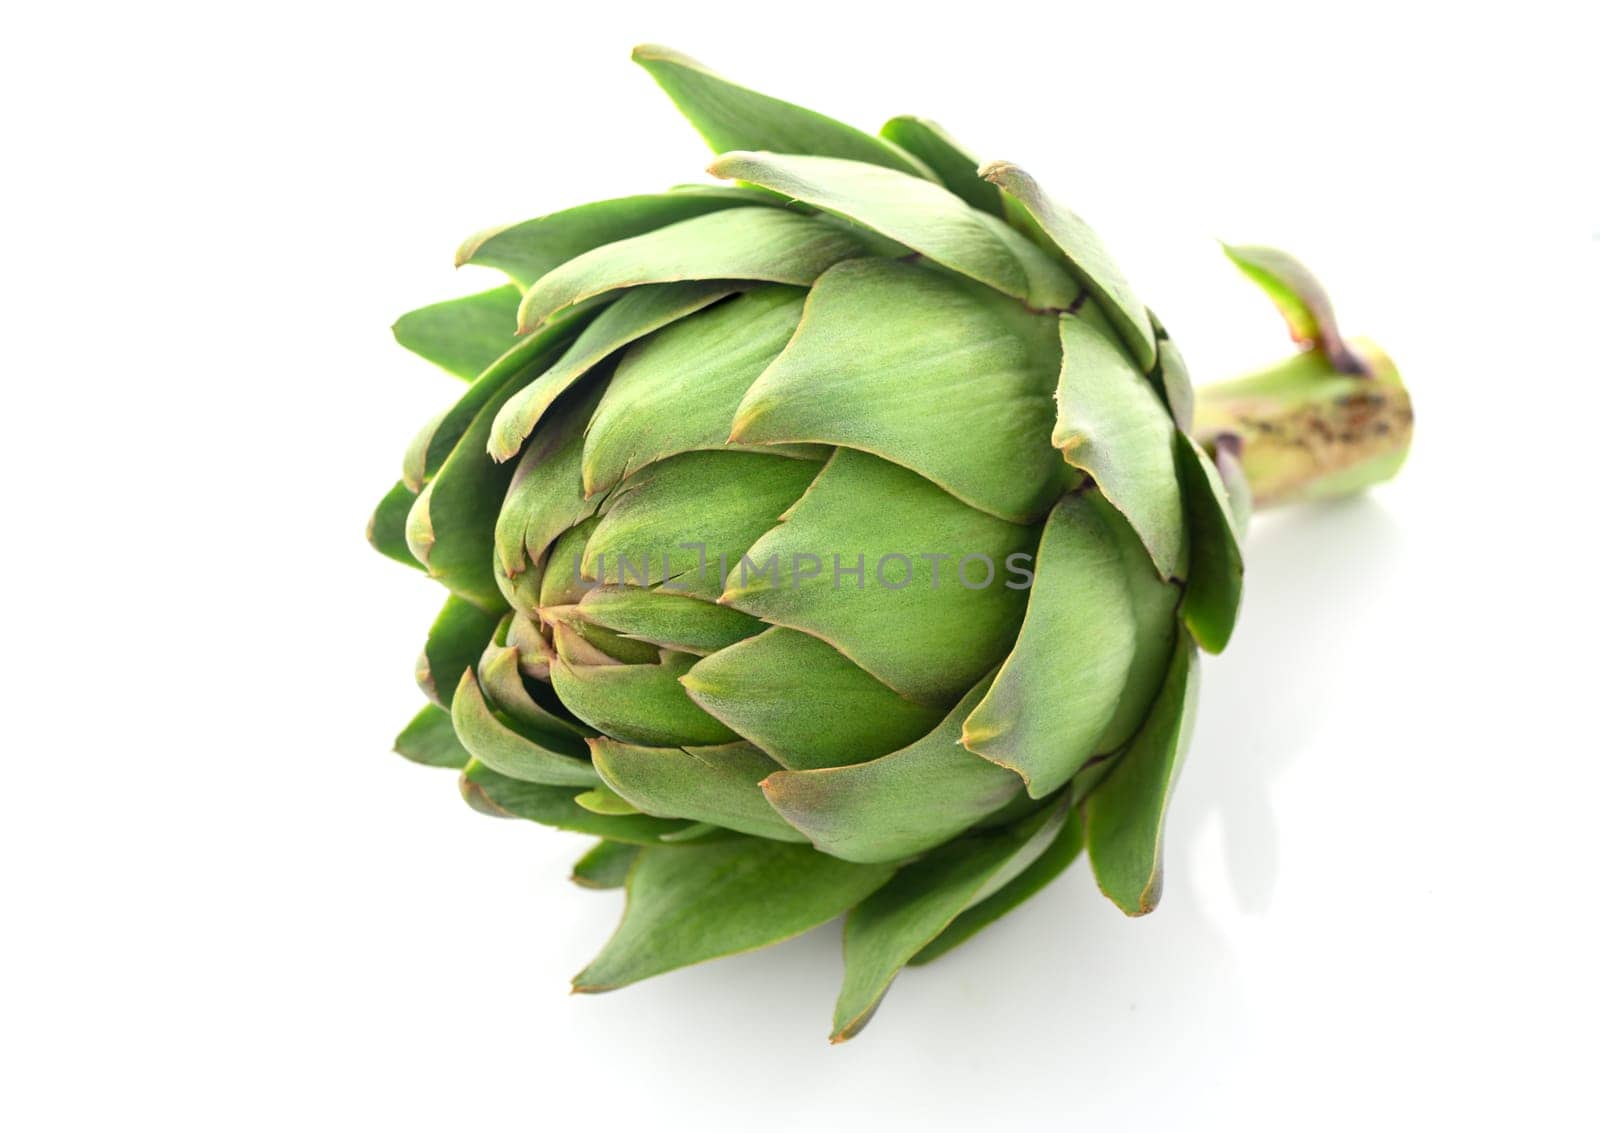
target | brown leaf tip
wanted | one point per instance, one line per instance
(1005, 174)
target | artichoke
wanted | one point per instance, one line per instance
(838, 540)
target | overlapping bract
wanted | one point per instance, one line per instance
(699, 425)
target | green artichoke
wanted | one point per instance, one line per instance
(837, 540)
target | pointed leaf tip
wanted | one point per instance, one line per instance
(730, 116)
(1125, 817)
(644, 52)
(891, 926)
(699, 901)
(462, 336)
(950, 162)
(386, 529)
(605, 866)
(430, 739)
(996, 172)
(1300, 298)
(1051, 223)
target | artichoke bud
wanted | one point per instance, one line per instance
(827, 541)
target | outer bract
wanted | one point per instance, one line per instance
(825, 542)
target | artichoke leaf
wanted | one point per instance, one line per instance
(1060, 688)
(422, 459)
(500, 678)
(920, 215)
(561, 582)
(462, 336)
(698, 901)
(635, 314)
(603, 800)
(457, 638)
(547, 759)
(430, 739)
(891, 359)
(743, 243)
(1094, 772)
(1111, 424)
(543, 502)
(386, 530)
(937, 607)
(718, 784)
(679, 391)
(1216, 571)
(886, 930)
(678, 521)
(1172, 379)
(803, 702)
(528, 250)
(1057, 856)
(1124, 816)
(900, 804)
(580, 642)
(956, 169)
(1086, 255)
(451, 526)
(666, 619)
(640, 703)
(489, 792)
(524, 362)
(729, 116)
(534, 650)
(1155, 614)
(605, 866)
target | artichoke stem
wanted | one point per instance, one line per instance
(1304, 430)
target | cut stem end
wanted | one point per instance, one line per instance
(1304, 429)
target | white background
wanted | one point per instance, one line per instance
(226, 906)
